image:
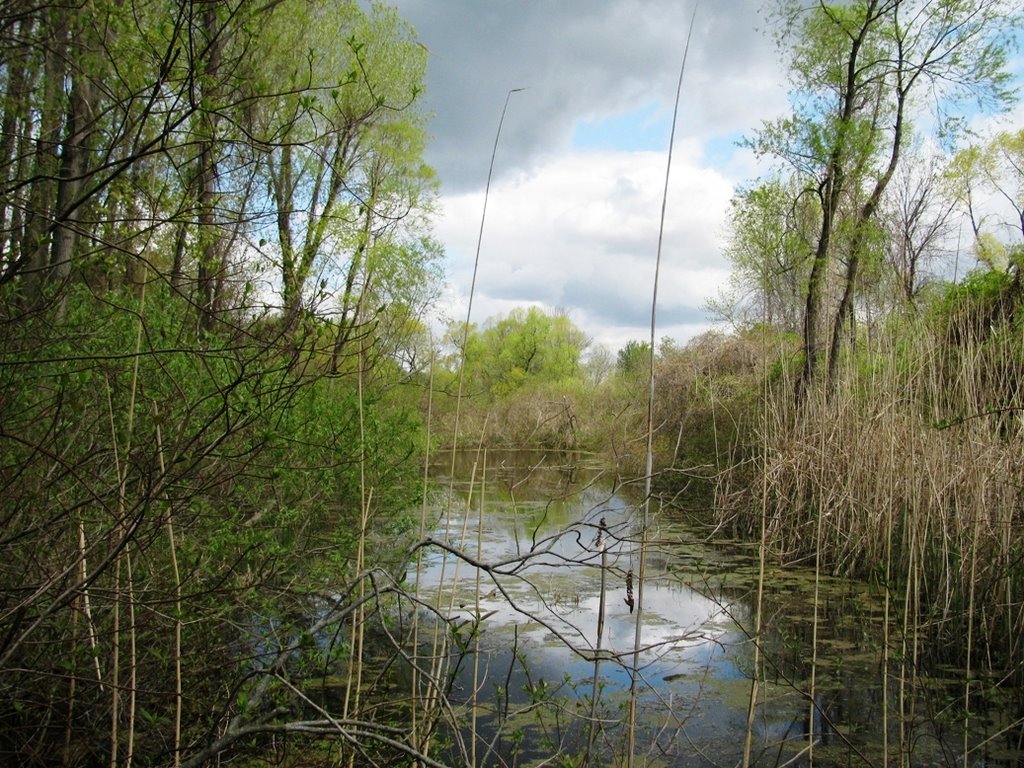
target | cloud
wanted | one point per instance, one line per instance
(582, 62)
(572, 220)
(580, 232)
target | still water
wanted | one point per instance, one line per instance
(547, 613)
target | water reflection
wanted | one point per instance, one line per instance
(557, 543)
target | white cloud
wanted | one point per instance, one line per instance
(577, 229)
(580, 232)
(583, 62)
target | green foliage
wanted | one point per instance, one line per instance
(634, 359)
(769, 250)
(349, 190)
(216, 259)
(525, 348)
(970, 309)
(523, 383)
(261, 473)
(856, 71)
(994, 167)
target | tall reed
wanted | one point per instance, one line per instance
(912, 468)
(649, 473)
(427, 710)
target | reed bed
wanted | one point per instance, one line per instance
(915, 459)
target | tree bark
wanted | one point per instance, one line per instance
(206, 175)
(35, 245)
(73, 165)
(830, 193)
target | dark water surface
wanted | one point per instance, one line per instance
(534, 522)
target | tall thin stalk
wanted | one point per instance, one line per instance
(133, 663)
(418, 741)
(645, 513)
(602, 545)
(748, 739)
(464, 531)
(115, 666)
(889, 522)
(476, 608)
(121, 468)
(472, 284)
(83, 578)
(439, 645)
(69, 717)
(762, 556)
(908, 663)
(970, 633)
(818, 555)
(172, 545)
(355, 670)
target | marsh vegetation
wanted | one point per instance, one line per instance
(253, 511)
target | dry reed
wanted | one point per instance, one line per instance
(919, 449)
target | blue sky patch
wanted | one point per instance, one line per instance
(643, 129)
(718, 151)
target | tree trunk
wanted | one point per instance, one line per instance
(867, 212)
(12, 126)
(73, 163)
(35, 245)
(206, 176)
(830, 194)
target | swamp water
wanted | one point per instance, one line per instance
(558, 546)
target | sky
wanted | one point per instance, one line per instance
(572, 218)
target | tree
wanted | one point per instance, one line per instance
(342, 157)
(634, 359)
(768, 249)
(916, 216)
(184, 497)
(857, 68)
(599, 365)
(527, 346)
(997, 168)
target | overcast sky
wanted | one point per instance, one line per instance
(572, 217)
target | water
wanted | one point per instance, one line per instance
(557, 540)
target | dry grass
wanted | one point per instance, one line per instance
(920, 448)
